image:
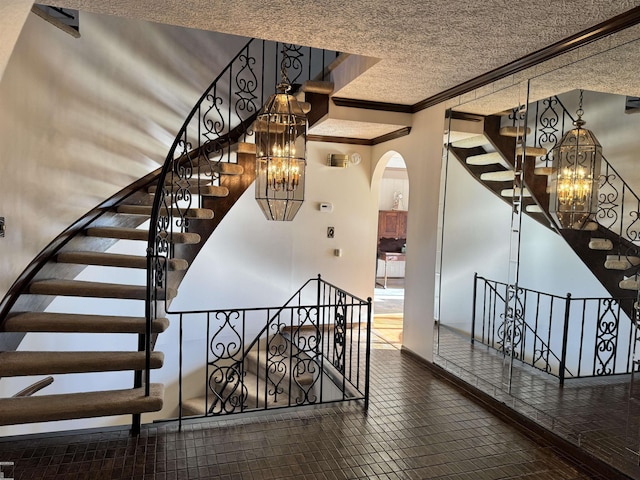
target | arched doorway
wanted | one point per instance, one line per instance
(393, 197)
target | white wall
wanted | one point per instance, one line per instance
(421, 151)
(79, 120)
(82, 118)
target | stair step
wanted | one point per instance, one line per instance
(68, 406)
(629, 284)
(192, 182)
(315, 86)
(621, 262)
(19, 363)
(501, 176)
(139, 234)
(192, 213)
(514, 192)
(548, 171)
(492, 158)
(600, 244)
(533, 209)
(256, 364)
(76, 323)
(587, 227)
(77, 288)
(255, 389)
(204, 190)
(115, 260)
(471, 142)
(531, 151)
(513, 131)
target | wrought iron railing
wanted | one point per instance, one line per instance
(221, 117)
(563, 336)
(314, 349)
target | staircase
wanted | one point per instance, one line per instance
(490, 158)
(169, 214)
(272, 377)
(87, 247)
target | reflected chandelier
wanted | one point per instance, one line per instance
(576, 167)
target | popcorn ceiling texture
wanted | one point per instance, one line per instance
(425, 47)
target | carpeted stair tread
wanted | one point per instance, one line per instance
(531, 151)
(513, 131)
(500, 176)
(19, 363)
(600, 244)
(68, 406)
(192, 182)
(546, 171)
(77, 288)
(115, 260)
(255, 389)
(514, 192)
(492, 158)
(204, 190)
(245, 147)
(621, 262)
(585, 226)
(629, 284)
(315, 86)
(78, 323)
(471, 142)
(256, 363)
(193, 213)
(139, 234)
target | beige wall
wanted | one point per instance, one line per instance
(13, 14)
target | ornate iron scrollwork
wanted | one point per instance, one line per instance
(548, 122)
(606, 338)
(226, 371)
(339, 332)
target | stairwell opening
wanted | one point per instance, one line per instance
(392, 182)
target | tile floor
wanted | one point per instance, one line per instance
(418, 426)
(592, 413)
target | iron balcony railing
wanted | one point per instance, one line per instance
(222, 117)
(315, 349)
(565, 337)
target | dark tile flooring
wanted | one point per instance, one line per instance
(594, 414)
(418, 426)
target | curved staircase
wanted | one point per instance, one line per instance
(166, 217)
(490, 158)
(86, 247)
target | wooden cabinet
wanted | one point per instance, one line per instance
(392, 224)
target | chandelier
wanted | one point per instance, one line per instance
(576, 166)
(281, 135)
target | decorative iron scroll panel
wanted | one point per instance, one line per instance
(294, 355)
(339, 329)
(222, 117)
(600, 336)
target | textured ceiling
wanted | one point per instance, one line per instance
(425, 47)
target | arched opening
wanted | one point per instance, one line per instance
(392, 183)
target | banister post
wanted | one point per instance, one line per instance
(565, 331)
(367, 357)
(473, 307)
